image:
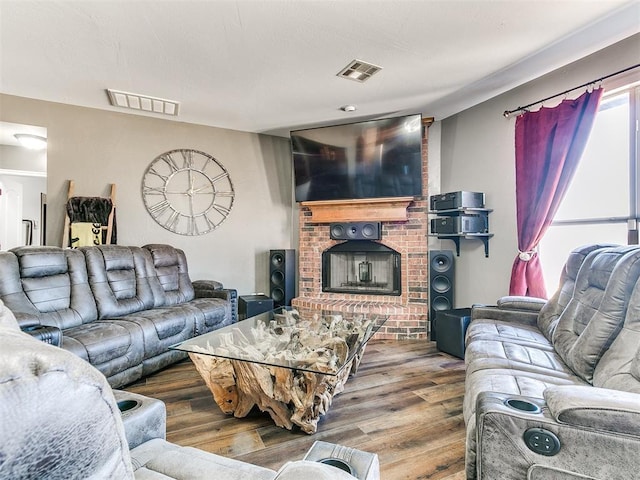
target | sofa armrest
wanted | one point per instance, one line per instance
(515, 302)
(591, 407)
(144, 418)
(306, 469)
(204, 286)
(45, 333)
(214, 289)
(531, 443)
(525, 317)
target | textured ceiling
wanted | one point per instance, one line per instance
(270, 66)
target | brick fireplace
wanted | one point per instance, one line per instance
(408, 312)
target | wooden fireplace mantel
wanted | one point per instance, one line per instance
(390, 209)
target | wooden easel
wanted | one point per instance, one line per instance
(67, 221)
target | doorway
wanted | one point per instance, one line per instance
(23, 188)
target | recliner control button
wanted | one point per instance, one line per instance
(542, 441)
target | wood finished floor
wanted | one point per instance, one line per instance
(405, 404)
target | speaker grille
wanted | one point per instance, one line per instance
(337, 230)
(277, 259)
(441, 262)
(441, 303)
(277, 277)
(441, 284)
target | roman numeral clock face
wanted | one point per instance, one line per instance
(187, 192)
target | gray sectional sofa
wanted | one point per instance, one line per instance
(553, 388)
(117, 307)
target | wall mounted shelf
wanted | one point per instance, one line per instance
(455, 237)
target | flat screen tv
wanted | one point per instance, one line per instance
(372, 159)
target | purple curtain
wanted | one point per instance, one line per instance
(549, 144)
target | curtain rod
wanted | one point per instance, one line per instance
(519, 109)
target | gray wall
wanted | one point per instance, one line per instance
(96, 148)
(477, 154)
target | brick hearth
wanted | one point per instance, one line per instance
(408, 312)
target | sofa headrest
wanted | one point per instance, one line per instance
(38, 262)
(577, 256)
(116, 257)
(163, 255)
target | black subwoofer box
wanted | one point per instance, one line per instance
(451, 327)
(252, 305)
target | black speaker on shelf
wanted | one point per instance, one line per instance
(441, 285)
(282, 276)
(355, 231)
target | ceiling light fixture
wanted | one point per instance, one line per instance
(142, 102)
(30, 141)
(348, 108)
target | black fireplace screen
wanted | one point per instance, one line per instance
(361, 267)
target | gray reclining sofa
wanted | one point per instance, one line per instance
(117, 307)
(552, 388)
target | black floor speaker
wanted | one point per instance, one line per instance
(441, 285)
(282, 276)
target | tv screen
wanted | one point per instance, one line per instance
(373, 159)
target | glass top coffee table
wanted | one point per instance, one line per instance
(287, 365)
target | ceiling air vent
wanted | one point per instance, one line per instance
(359, 71)
(142, 102)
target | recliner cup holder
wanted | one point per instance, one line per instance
(125, 405)
(338, 463)
(522, 405)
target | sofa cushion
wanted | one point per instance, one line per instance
(114, 347)
(596, 312)
(216, 313)
(163, 327)
(487, 354)
(119, 279)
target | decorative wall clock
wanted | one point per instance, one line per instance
(188, 192)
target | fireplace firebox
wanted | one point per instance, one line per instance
(361, 267)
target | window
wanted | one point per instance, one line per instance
(601, 204)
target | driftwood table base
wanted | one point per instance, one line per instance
(291, 397)
(285, 365)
